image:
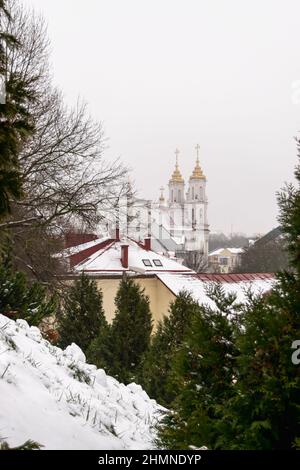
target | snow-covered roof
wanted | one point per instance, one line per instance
(197, 284)
(105, 258)
(76, 249)
(233, 251)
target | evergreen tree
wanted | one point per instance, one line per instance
(128, 337)
(239, 386)
(20, 299)
(82, 315)
(155, 371)
(16, 123)
(265, 412)
(100, 351)
(202, 371)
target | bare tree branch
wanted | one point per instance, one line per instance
(20, 223)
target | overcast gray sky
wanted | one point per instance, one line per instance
(162, 74)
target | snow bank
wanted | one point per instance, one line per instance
(55, 398)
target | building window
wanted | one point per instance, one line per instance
(179, 195)
(193, 193)
(201, 194)
(193, 215)
(147, 262)
(224, 261)
(157, 262)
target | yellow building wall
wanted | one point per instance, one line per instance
(159, 295)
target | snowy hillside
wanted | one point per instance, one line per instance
(53, 397)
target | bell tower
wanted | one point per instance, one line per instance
(196, 213)
(176, 185)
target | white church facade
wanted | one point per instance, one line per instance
(186, 208)
(178, 223)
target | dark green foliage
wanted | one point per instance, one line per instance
(82, 315)
(202, 368)
(120, 347)
(238, 387)
(289, 203)
(79, 374)
(100, 351)
(16, 123)
(20, 299)
(268, 257)
(155, 371)
(264, 412)
(28, 445)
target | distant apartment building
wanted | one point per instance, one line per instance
(225, 260)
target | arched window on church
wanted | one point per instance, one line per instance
(172, 195)
(193, 216)
(201, 193)
(179, 195)
(193, 192)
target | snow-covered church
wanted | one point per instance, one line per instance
(177, 224)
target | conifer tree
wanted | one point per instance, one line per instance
(129, 335)
(265, 411)
(100, 351)
(82, 315)
(21, 299)
(240, 387)
(155, 370)
(16, 123)
(201, 370)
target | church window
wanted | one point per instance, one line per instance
(193, 192)
(193, 215)
(201, 194)
(147, 262)
(172, 195)
(179, 195)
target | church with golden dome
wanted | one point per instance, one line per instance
(186, 208)
(177, 223)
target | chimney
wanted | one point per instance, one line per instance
(147, 244)
(124, 256)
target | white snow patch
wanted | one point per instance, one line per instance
(53, 397)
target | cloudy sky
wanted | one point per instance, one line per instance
(162, 74)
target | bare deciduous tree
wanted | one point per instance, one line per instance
(196, 260)
(64, 174)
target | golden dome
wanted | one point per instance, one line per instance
(197, 173)
(176, 176)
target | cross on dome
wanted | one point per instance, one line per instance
(176, 176)
(197, 173)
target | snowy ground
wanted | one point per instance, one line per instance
(55, 398)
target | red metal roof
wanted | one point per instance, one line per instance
(235, 277)
(77, 258)
(75, 239)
